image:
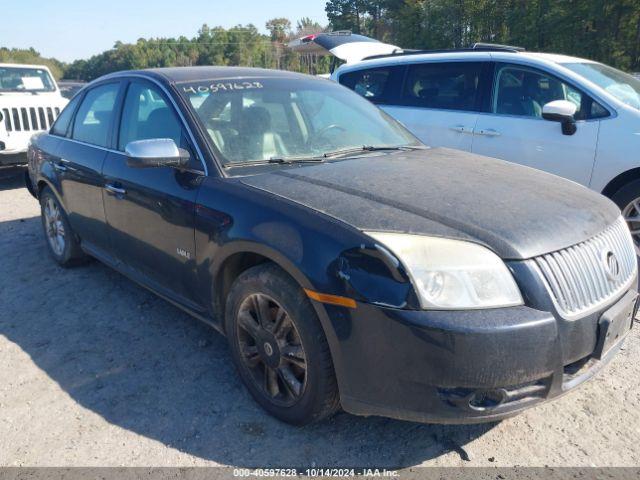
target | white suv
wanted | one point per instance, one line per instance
(30, 101)
(568, 116)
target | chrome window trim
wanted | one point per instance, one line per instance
(111, 150)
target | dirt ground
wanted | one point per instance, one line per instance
(96, 371)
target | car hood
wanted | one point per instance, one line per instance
(518, 212)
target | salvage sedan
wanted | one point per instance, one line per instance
(348, 265)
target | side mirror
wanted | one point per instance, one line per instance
(561, 111)
(156, 152)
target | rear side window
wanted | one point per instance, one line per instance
(61, 127)
(370, 84)
(373, 84)
(446, 86)
(95, 115)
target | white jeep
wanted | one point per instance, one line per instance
(30, 101)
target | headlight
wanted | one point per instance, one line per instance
(452, 274)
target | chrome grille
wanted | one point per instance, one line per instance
(29, 119)
(579, 278)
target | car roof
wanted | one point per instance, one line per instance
(186, 74)
(528, 57)
(24, 65)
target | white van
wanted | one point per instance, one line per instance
(30, 101)
(569, 116)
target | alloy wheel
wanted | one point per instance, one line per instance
(54, 226)
(631, 214)
(271, 349)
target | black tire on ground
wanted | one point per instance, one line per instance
(69, 253)
(318, 398)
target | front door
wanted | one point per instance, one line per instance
(151, 211)
(515, 130)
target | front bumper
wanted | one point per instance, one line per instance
(12, 159)
(462, 367)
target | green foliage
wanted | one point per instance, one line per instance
(30, 56)
(603, 30)
(240, 45)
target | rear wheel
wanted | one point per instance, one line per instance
(61, 241)
(279, 348)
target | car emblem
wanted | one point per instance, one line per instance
(611, 266)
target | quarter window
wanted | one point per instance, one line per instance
(61, 126)
(523, 92)
(95, 114)
(447, 86)
(372, 83)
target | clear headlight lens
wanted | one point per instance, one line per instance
(452, 274)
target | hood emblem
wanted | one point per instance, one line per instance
(611, 265)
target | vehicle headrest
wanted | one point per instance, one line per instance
(256, 119)
(161, 123)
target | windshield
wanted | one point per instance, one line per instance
(619, 84)
(262, 119)
(21, 79)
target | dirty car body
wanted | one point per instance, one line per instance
(449, 287)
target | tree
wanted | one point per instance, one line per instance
(29, 55)
(604, 30)
(279, 28)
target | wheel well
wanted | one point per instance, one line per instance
(621, 180)
(41, 185)
(229, 271)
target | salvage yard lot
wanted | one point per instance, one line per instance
(95, 370)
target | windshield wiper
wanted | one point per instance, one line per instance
(323, 157)
(370, 148)
(289, 160)
(278, 160)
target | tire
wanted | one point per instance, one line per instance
(625, 198)
(266, 348)
(62, 243)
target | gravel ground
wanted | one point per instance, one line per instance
(96, 371)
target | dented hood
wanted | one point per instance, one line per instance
(516, 211)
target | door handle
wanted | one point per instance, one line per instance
(489, 132)
(115, 190)
(60, 167)
(461, 129)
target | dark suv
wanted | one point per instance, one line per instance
(348, 264)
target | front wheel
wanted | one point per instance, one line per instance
(628, 200)
(279, 347)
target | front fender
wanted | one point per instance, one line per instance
(320, 252)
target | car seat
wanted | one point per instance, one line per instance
(256, 140)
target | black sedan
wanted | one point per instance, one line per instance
(348, 264)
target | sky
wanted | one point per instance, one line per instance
(74, 29)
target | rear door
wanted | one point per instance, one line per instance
(151, 211)
(439, 102)
(79, 163)
(514, 129)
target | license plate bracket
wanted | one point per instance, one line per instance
(614, 324)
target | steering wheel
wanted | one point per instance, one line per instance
(313, 139)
